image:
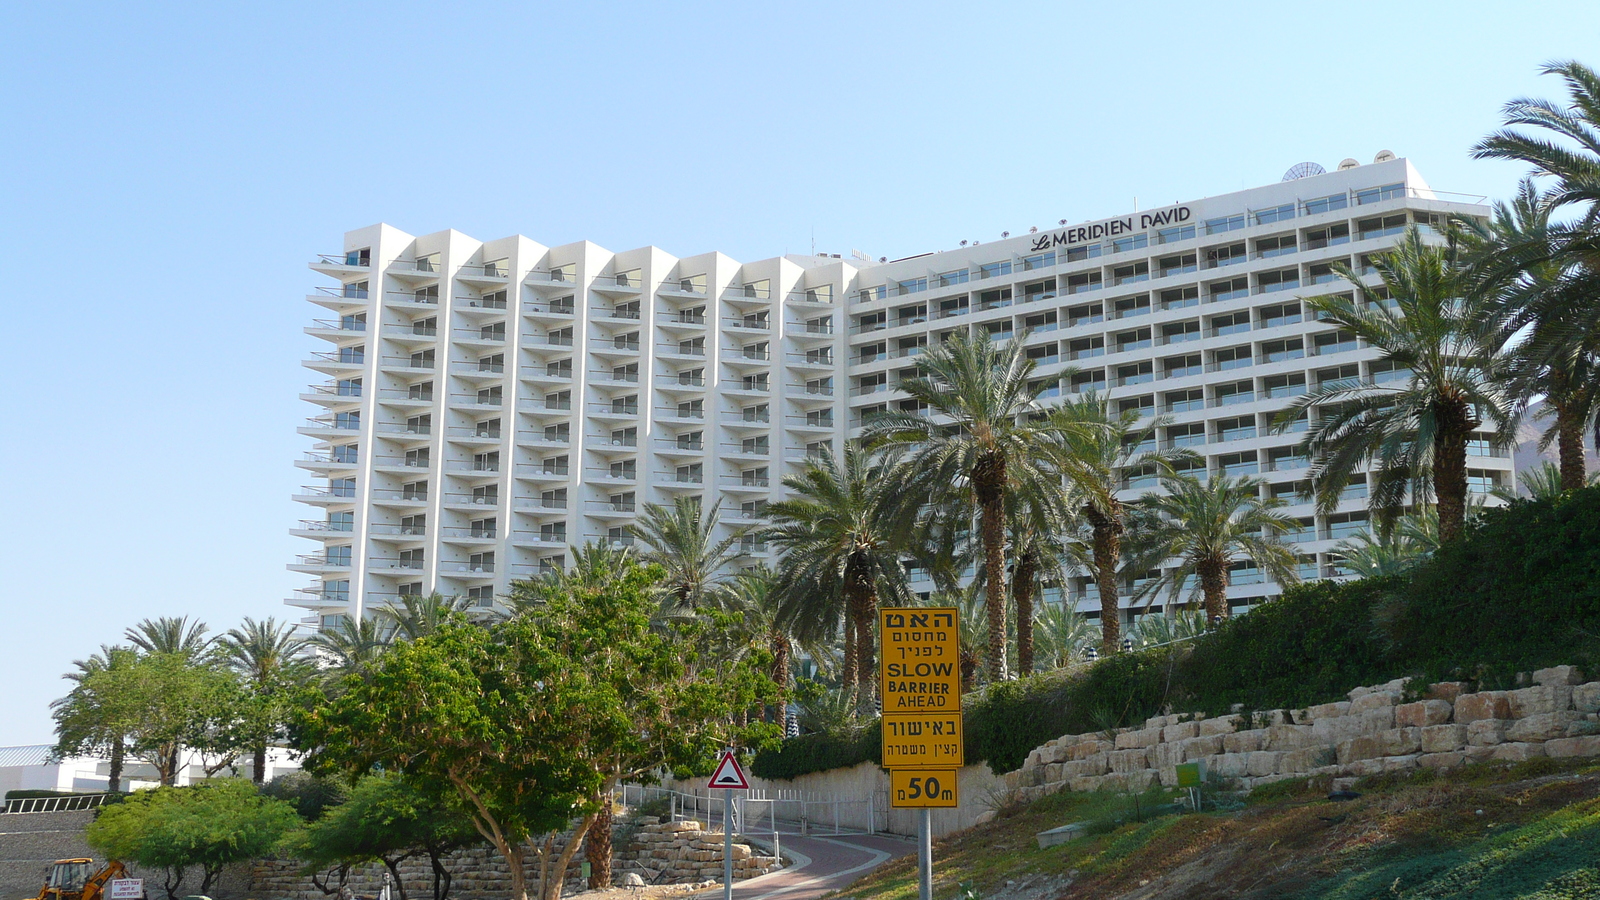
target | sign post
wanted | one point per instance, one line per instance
(728, 777)
(920, 687)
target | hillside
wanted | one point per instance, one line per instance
(1529, 830)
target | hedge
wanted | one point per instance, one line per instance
(1519, 591)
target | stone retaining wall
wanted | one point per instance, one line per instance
(660, 852)
(1378, 729)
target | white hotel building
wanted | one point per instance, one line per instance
(484, 405)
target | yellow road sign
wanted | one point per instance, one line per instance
(921, 669)
(928, 741)
(923, 788)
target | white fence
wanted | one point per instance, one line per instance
(52, 804)
(759, 811)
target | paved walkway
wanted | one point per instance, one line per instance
(821, 865)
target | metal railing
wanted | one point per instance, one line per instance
(759, 811)
(53, 804)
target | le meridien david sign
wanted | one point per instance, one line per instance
(1079, 234)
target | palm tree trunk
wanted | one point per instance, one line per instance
(114, 772)
(780, 675)
(1022, 585)
(1450, 469)
(1214, 587)
(988, 481)
(847, 678)
(1569, 447)
(259, 764)
(861, 598)
(597, 847)
(1107, 553)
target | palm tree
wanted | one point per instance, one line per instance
(1064, 633)
(1541, 482)
(594, 565)
(763, 625)
(266, 657)
(1156, 629)
(1394, 551)
(841, 532)
(169, 635)
(1575, 169)
(1528, 303)
(1094, 449)
(990, 445)
(1413, 434)
(682, 539)
(1208, 526)
(350, 647)
(416, 616)
(107, 736)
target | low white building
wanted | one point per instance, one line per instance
(29, 768)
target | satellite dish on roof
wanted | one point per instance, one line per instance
(1347, 163)
(1303, 170)
(1383, 156)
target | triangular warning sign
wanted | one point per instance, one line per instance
(729, 774)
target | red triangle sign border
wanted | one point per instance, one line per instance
(729, 774)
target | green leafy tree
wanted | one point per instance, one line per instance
(309, 794)
(682, 540)
(1064, 634)
(1209, 525)
(208, 826)
(384, 819)
(412, 616)
(990, 443)
(350, 647)
(1394, 551)
(1096, 447)
(266, 657)
(841, 530)
(528, 723)
(92, 720)
(1411, 434)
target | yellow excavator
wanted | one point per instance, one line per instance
(77, 879)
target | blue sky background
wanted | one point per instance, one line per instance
(167, 170)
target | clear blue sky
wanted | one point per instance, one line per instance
(167, 171)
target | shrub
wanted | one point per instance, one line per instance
(819, 753)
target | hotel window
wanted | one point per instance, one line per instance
(1232, 289)
(1282, 459)
(756, 446)
(1177, 298)
(1093, 380)
(482, 596)
(1346, 525)
(559, 369)
(1135, 373)
(1224, 223)
(823, 356)
(1180, 332)
(348, 421)
(1083, 348)
(1181, 366)
(1284, 280)
(1176, 265)
(692, 409)
(553, 532)
(1084, 315)
(486, 495)
(417, 459)
(1038, 261)
(429, 294)
(1133, 340)
(759, 290)
(1043, 354)
(554, 465)
(413, 490)
(755, 382)
(1385, 372)
(915, 314)
(1039, 290)
(425, 327)
(481, 562)
(347, 453)
(490, 396)
(558, 400)
(1327, 377)
(495, 300)
(1040, 323)
(1144, 406)
(1379, 194)
(760, 412)
(419, 425)
(867, 295)
(959, 276)
(409, 589)
(1240, 429)
(1175, 234)
(1190, 435)
(1281, 351)
(954, 306)
(1335, 342)
(362, 257)
(1131, 306)
(1083, 281)
(556, 499)
(559, 434)
(1136, 242)
(564, 305)
(1127, 274)
(911, 286)
(482, 528)
(628, 373)
(1317, 238)
(1087, 251)
(494, 331)
(872, 352)
(422, 360)
(1184, 401)
(488, 428)
(994, 269)
(1279, 386)
(692, 377)
(1231, 358)
(1275, 246)
(1233, 323)
(625, 406)
(1231, 394)
(1225, 256)
(356, 354)
(1321, 273)
(1234, 465)
(872, 322)
(486, 462)
(1282, 314)
(695, 315)
(337, 591)
(1275, 214)
(342, 487)
(1367, 229)
(628, 469)
(1326, 204)
(629, 341)
(994, 299)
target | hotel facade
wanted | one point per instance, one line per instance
(484, 405)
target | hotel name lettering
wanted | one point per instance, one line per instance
(1112, 227)
(921, 666)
